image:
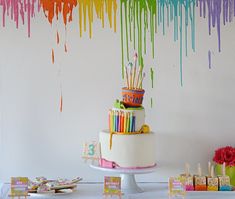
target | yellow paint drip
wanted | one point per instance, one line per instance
(87, 8)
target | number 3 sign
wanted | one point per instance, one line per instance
(91, 151)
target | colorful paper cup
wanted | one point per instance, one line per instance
(131, 97)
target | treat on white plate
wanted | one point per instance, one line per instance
(44, 189)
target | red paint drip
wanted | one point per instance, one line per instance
(65, 48)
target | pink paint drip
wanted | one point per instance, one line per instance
(16, 9)
(217, 9)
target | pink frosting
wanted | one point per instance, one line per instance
(110, 164)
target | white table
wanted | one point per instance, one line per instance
(151, 191)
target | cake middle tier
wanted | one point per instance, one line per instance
(128, 151)
(126, 120)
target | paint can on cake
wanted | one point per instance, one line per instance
(132, 97)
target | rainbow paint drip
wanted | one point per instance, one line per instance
(139, 19)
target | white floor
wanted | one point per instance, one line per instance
(151, 191)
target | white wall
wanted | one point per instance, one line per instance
(36, 139)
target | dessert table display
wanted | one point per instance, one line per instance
(151, 191)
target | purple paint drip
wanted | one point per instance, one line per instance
(217, 9)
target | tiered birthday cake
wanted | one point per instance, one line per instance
(128, 143)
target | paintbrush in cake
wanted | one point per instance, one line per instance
(141, 81)
(130, 65)
(127, 79)
(135, 62)
(138, 77)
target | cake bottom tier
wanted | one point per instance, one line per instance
(128, 151)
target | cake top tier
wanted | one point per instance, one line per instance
(133, 92)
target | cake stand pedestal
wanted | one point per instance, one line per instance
(128, 182)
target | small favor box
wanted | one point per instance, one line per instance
(176, 187)
(212, 183)
(212, 180)
(200, 180)
(189, 186)
(19, 187)
(200, 183)
(188, 182)
(224, 183)
(112, 186)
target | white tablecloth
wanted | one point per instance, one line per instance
(151, 191)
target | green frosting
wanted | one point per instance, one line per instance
(120, 105)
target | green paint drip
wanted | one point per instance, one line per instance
(152, 75)
(122, 42)
(137, 18)
(142, 16)
(126, 23)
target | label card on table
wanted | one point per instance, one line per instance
(91, 151)
(176, 187)
(19, 187)
(112, 186)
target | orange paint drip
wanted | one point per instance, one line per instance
(52, 56)
(65, 48)
(53, 8)
(61, 103)
(57, 38)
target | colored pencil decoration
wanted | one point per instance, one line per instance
(120, 121)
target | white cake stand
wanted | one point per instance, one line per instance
(128, 183)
